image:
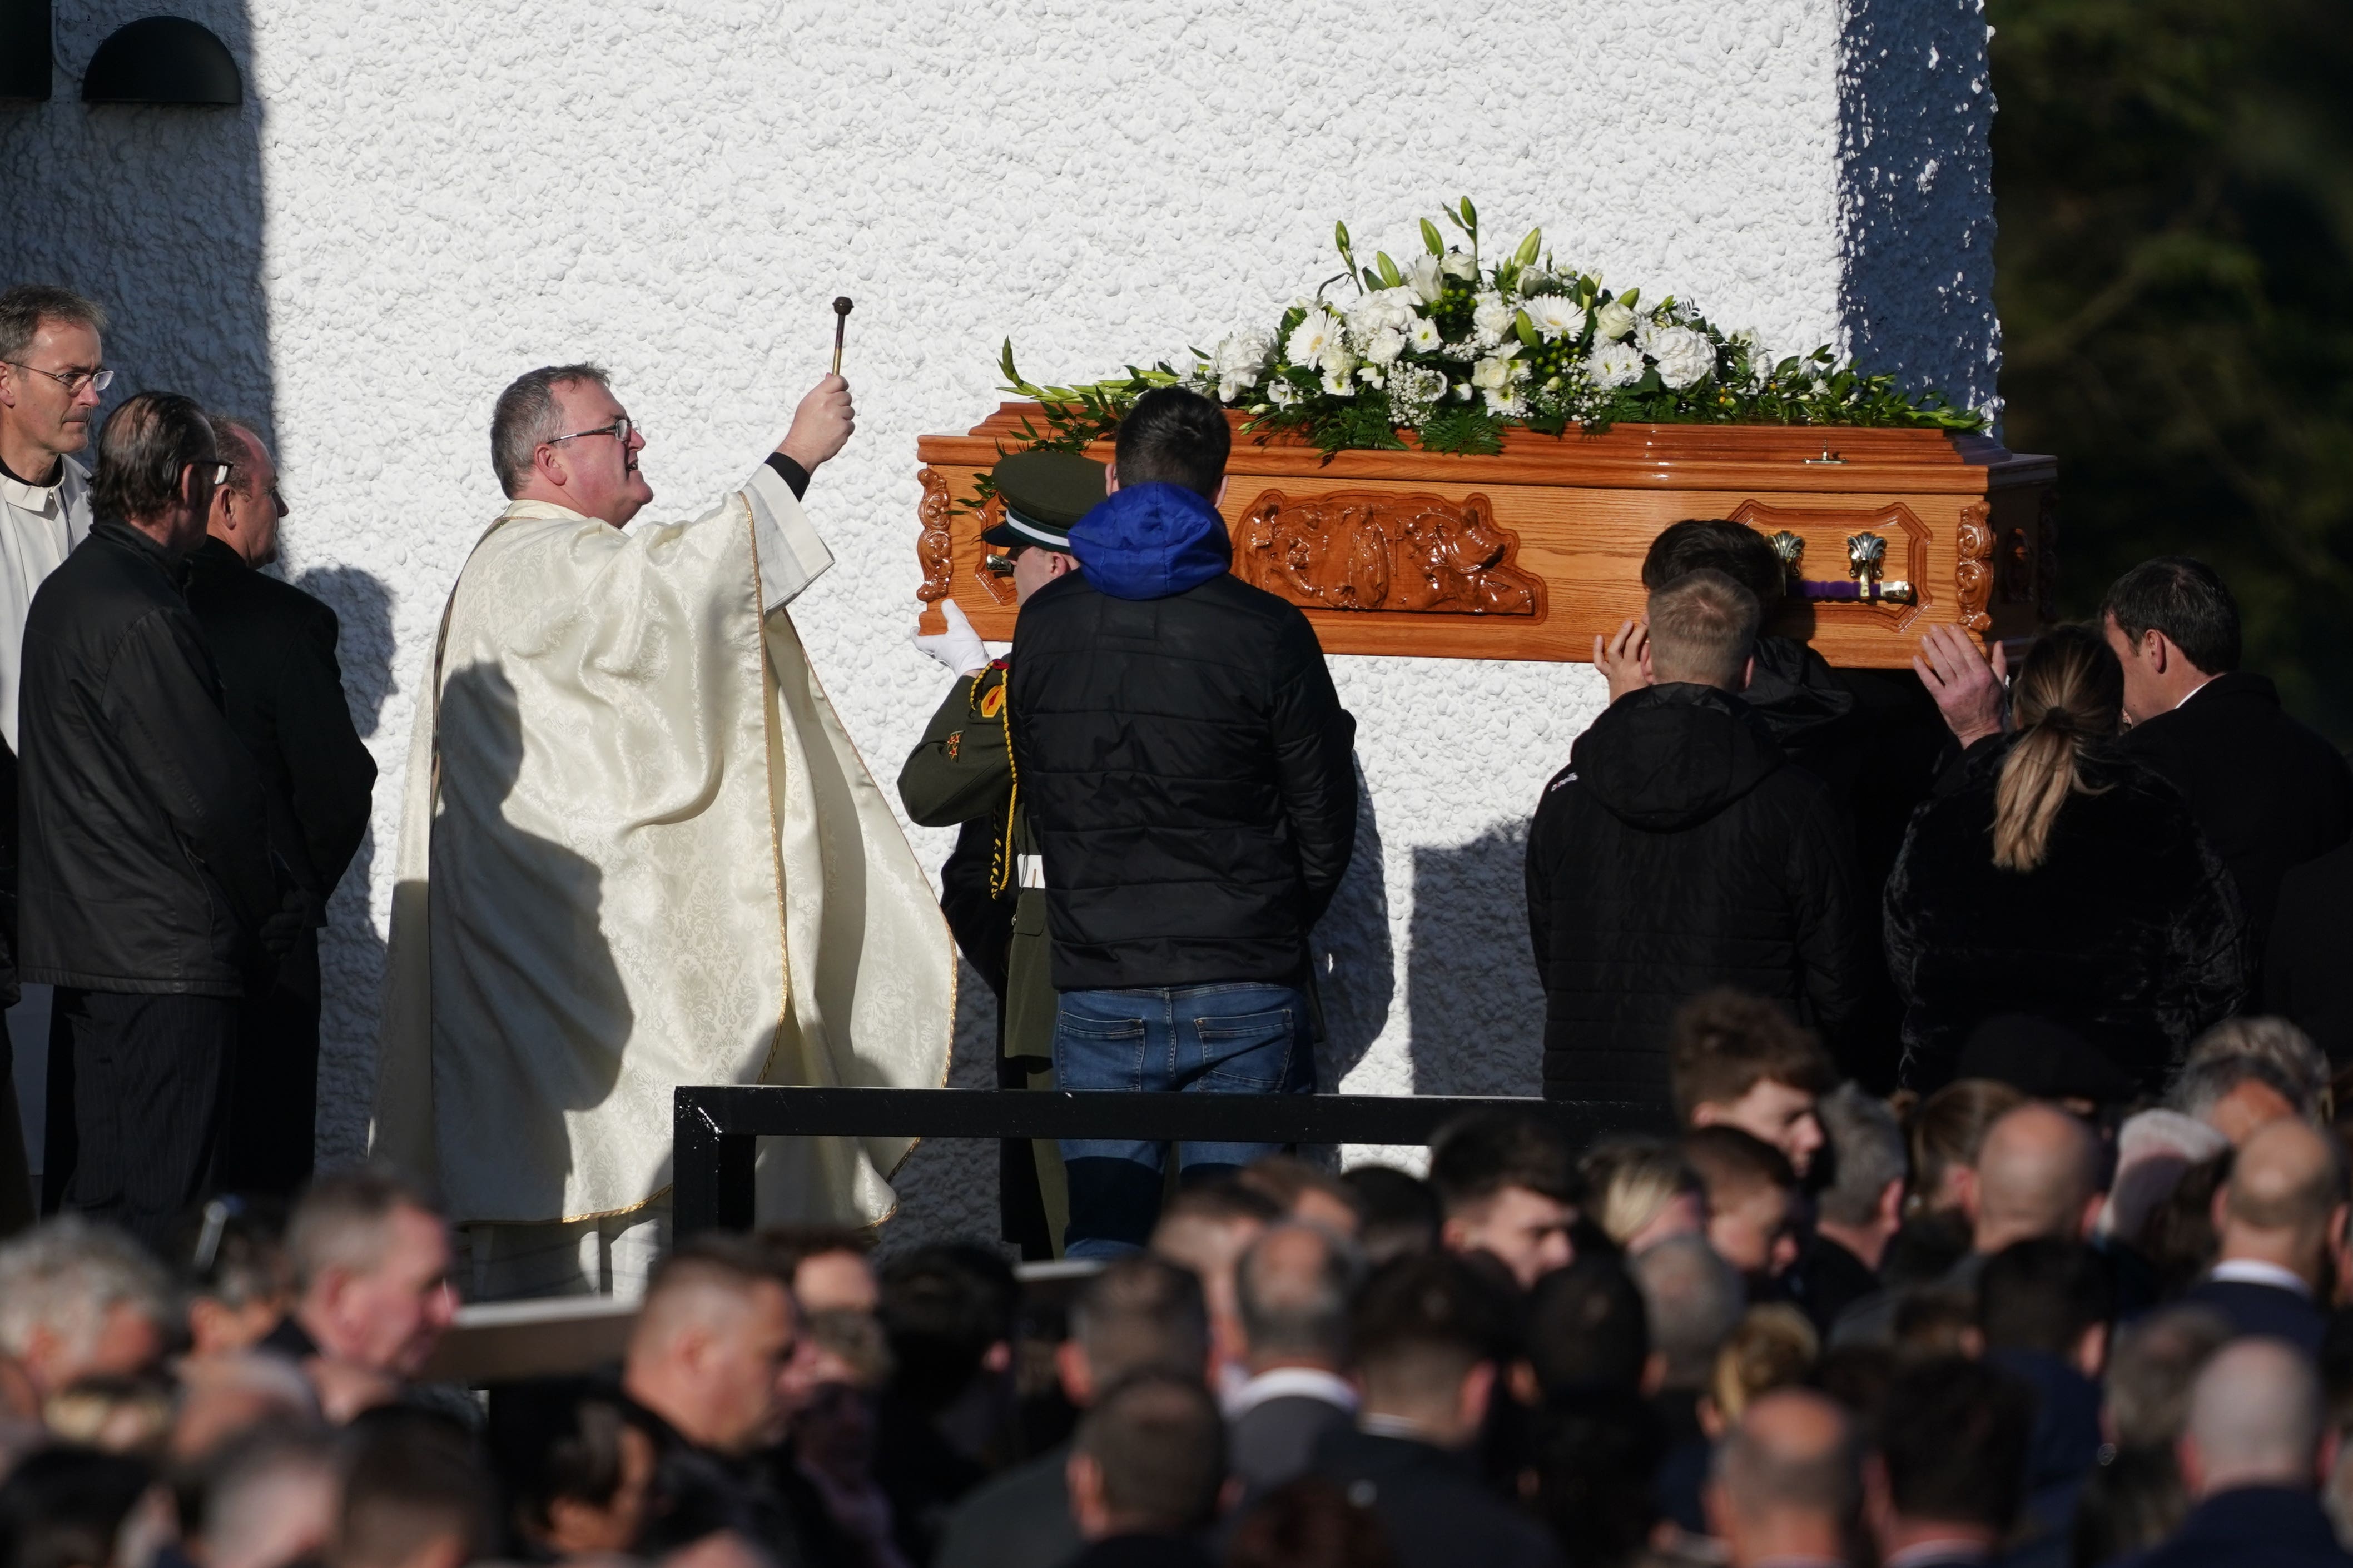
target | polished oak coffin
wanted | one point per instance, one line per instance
(1532, 552)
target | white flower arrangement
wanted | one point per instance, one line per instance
(1453, 350)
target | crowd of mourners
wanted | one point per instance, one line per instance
(1813, 1326)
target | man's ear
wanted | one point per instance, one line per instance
(1654, 1372)
(1454, 1233)
(1083, 1476)
(2092, 1351)
(1706, 1113)
(1891, 1205)
(1477, 1393)
(2158, 649)
(1747, 673)
(1219, 498)
(1111, 479)
(1078, 1377)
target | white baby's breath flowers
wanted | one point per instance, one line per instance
(1384, 346)
(1610, 322)
(1614, 364)
(1423, 336)
(1555, 316)
(1686, 357)
(1317, 332)
(1413, 389)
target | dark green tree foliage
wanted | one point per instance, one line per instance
(2174, 183)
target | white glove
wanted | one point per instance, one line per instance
(959, 648)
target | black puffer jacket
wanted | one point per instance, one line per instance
(1181, 756)
(2130, 931)
(144, 845)
(1678, 851)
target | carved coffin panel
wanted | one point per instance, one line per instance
(1376, 550)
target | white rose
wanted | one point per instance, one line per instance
(1610, 322)
(1336, 359)
(1614, 364)
(1423, 276)
(1385, 347)
(1491, 320)
(1686, 357)
(1424, 336)
(1493, 374)
(1309, 340)
(1555, 316)
(1455, 264)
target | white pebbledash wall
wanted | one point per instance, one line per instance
(422, 198)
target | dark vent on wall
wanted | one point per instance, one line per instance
(163, 59)
(24, 51)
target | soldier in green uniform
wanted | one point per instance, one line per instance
(961, 774)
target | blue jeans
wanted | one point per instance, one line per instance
(1243, 1038)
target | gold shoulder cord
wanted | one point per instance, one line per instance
(1000, 871)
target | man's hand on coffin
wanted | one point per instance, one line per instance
(1971, 691)
(820, 425)
(1624, 660)
(959, 648)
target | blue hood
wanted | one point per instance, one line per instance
(1151, 541)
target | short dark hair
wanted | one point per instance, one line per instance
(1597, 1454)
(65, 1504)
(1953, 1433)
(1587, 1328)
(1732, 1161)
(1478, 1154)
(1175, 436)
(1716, 543)
(1422, 1323)
(1161, 1446)
(1722, 1042)
(943, 1308)
(526, 418)
(24, 306)
(1142, 1313)
(412, 1477)
(1310, 1522)
(2043, 1294)
(555, 1439)
(2188, 601)
(1401, 1211)
(143, 450)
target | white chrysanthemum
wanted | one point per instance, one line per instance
(1556, 316)
(1382, 310)
(1243, 353)
(1385, 345)
(1686, 357)
(1610, 322)
(1423, 336)
(1614, 364)
(1456, 264)
(1491, 320)
(1424, 277)
(1339, 384)
(1314, 335)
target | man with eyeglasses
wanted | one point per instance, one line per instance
(51, 378)
(275, 645)
(149, 897)
(638, 851)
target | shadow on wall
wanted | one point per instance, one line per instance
(1354, 957)
(1471, 992)
(351, 955)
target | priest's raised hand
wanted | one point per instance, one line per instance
(638, 851)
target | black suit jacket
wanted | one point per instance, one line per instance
(283, 690)
(2265, 1312)
(1432, 1504)
(2250, 1526)
(2306, 975)
(2268, 792)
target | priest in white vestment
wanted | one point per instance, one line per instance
(638, 851)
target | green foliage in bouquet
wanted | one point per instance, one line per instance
(1457, 352)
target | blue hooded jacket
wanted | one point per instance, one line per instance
(1151, 541)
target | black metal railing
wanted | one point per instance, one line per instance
(717, 1125)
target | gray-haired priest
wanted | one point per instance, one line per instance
(639, 851)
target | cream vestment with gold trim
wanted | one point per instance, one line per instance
(653, 858)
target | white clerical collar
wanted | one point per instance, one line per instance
(43, 498)
(2254, 1272)
(1290, 1383)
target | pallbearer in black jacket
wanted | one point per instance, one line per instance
(1678, 851)
(275, 645)
(149, 895)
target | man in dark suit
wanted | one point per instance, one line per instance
(2306, 977)
(2283, 1220)
(2269, 793)
(1291, 1289)
(275, 648)
(1953, 1439)
(2250, 1456)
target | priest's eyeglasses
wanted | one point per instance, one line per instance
(73, 381)
(619, 429)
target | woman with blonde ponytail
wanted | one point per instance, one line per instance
(2064, 879)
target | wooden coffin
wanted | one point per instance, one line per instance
(1533, 552)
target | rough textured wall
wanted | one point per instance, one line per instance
(427, 196)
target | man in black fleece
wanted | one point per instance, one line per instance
(1679, 851)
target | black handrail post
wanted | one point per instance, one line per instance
(710, 1169)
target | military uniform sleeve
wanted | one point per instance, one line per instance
(961, 769)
